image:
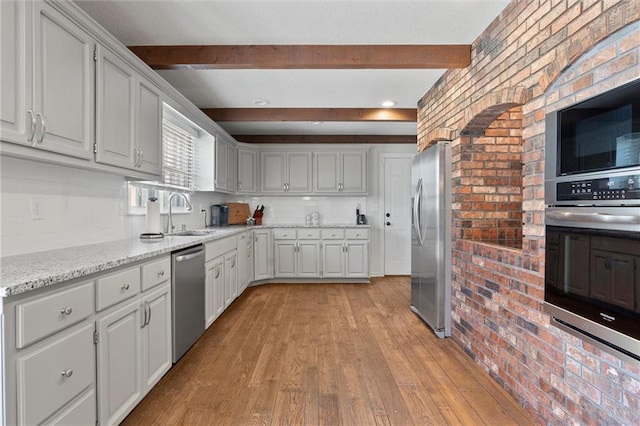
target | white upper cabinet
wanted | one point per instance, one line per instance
(232, 167)
(47, 80)
(16, 123)
(128, 116)
(226, 165)
(286, 172)
(148, 149)
(115, 109)
(340, 172)
(247, 170)
(64, 88)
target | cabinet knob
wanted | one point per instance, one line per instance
(388, 215)
(125, 287)
(388, 223)
(67, 373)
(66, 311)
(161, 273)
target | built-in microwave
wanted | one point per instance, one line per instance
(592, 150)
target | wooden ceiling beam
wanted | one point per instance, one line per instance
(312, 114)
(327, 139)
(440, 56)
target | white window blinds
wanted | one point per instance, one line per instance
(177, 156)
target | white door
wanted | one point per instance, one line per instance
(309, 259)
(299, 178)
(333, 257)
(16, 124)
(115, 84)
(149, 127)
(397, 216)
(285, 259)
(119, 363)
(156, 336)
(64, 84)
(263, 260)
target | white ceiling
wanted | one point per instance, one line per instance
(243, 22)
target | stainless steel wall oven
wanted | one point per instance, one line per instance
(592, 219)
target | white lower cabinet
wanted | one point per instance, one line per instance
(297, 253)
(55, 374)
(214, 290)
(333, 259)
(357, 259)
(245, 261)
(263, 255)
(133, 341)
(230, 277)
(221, 268)
(345, 253)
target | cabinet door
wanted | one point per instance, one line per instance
(16, 124)
(230, 278)
(232, 168)
(262, 261)
(149, 127)
(119, 363)
(273, 166)
(333, 257)
(242, 263)
(613, 278)
(308, 259)
(218, 287)
(327, 173)
(64, 84)
(353, 172)
(285, 259)
(156, 336)
(115, 85)
(357, 259)
(250, 259)
(299, 172)
(246, 171)
(222, 159)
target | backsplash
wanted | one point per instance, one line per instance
(77, 207)
(293, 210)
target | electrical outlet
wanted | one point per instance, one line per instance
(37, 208)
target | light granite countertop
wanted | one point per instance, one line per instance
(26, 272)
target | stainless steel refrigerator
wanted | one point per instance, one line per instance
(431, 237)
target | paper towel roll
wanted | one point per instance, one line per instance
(153, 216)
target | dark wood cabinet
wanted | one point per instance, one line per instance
(574, 252)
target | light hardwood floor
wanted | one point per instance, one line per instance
(326, 354)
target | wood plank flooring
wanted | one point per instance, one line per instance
(326, 354)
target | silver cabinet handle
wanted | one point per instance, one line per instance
(135, 156)
(141, 160)
(43, 126)
(161, 273)
(233, 264)
(66, 311)
(149, 309)
(144, 315)
(217, 272)
(67, 373)
(124, 287)
(33, 125)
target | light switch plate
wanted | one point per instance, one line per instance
(37, 208)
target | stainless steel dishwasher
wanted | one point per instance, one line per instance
(187, 298)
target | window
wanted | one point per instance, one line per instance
(179, 135)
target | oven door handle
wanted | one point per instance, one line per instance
(594, 217)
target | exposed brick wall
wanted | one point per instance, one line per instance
(540, 55)
(487, 183)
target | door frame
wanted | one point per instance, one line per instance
(381, 191)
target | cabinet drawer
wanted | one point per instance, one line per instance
(309, 234)
(155, 273)
(53, 375)
(80, 412)
(332, 234)
(117, 287)
(284, 234)
(357, 234)
(219, 247)
(46, 315)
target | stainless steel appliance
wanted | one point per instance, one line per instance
(187, 298)
(431, 238)
(592, 219)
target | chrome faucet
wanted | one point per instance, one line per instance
(170, 227)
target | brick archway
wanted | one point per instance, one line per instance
(489, 107)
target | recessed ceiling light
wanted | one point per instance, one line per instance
(388, 104)
(260, 102)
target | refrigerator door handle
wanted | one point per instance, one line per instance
(416, 211)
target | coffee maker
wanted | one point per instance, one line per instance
(219, 215)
